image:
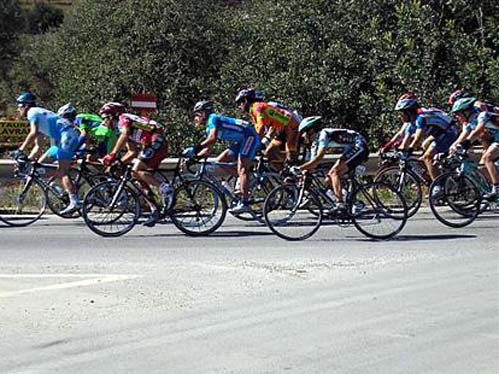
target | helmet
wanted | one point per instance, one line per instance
(462, 104)
(112, 108)
(249, 94)
(309, 122)
(26, 98)
(456, 95)
(203, 106)
(66, 111)
(406, 101)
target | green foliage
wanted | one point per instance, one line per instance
(43, 17)
(344, 59)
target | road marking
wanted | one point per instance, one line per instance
(96, 279)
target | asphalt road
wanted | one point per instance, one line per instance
(244, 301)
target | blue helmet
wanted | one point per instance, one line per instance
(406, 101)
(309, 122)
(26, 98)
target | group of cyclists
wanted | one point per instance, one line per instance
(272, 129)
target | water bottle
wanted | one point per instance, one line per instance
(227, 187)
(166, 190)
(58, 189)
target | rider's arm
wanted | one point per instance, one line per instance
(417, 136)
(131, 152)
(311, 164)
(210, 140)
(475, 133)
(122, 140)
(30, 138)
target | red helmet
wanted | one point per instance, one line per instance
(111, 109)
(456, 95)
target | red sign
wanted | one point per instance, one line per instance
(144, 102)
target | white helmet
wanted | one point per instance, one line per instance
(67, 111)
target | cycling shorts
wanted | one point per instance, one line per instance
(443, 141)
(355, 155)
(154, 153)
(248, 147)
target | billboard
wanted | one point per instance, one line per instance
(12, 132)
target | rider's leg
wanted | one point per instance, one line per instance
(334, 175)
(428, 161)
(488, 159)
(228, 156)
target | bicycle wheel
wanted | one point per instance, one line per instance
(292, 214)
(454, 199)
(404, 182)
(199, 208)
(58, 199)
(378, 210)
(109, 213)
(259, 190)
(22, 200)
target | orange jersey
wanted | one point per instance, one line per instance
(267, 115)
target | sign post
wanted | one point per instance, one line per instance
(144, 103)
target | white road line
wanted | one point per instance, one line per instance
(101, 278)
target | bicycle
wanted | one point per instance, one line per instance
(112, 208)
(262, 179)
(408, 177)
(84, 175)
(456, 197)
(25, 193)
(295, 211)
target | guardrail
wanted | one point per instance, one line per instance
(372, 164)
(6, 166)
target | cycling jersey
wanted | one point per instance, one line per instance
(62, 133)
(143, 131)
(242, 135)
(353, 145)
(433, 121)
(103, 136)
(491, 122)
(273, 115)
(88, 121)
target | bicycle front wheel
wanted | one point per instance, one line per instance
(199, 208)
(292, 213)
(110, 210)
(454, 200)
(404, 182)
(378, 210)
(22, 200)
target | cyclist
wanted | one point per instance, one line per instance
(145, 143)
(244, 144)
(354, 152)
(96, 134)
(275, 123)
(485, 125)
(63, 136)
(434, 124)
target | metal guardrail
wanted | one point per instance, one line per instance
(372, 164)
(6, 166)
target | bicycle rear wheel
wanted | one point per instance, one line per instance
(199, 208)
(22, 200)
(455, 200)
(292, 214)
(378, 210)
(109, 213)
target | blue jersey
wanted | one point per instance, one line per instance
(228, 128)
(433, 121)
(46, 122)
